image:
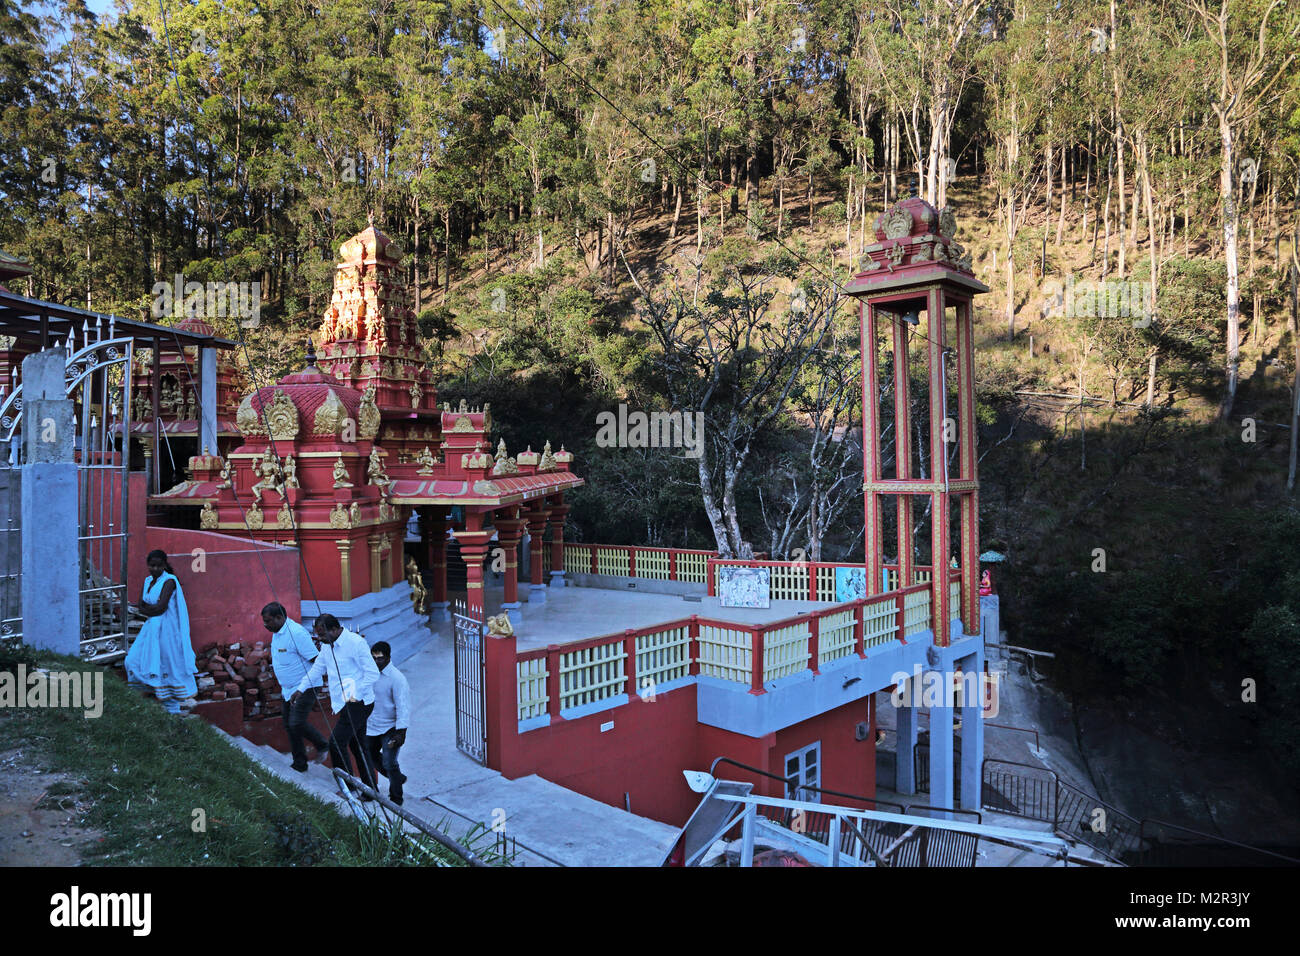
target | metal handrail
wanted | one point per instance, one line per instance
(342, 777)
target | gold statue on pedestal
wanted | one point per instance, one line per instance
(341, 473)
(419, 593)
(270, 470)
(499, 626)
(207, 516)
(426, 461)
(375, 472)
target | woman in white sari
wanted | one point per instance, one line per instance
(161, 659)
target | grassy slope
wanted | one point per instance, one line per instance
(144, 773)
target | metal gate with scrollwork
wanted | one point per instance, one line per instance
(96, 379)
(467, 654)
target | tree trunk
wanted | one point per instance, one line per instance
(1295, 387)
(1232, 291)
(446, 262)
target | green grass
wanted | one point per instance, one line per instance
(145, 775)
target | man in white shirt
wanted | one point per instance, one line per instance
(386, 728)
(352, 675)
(292, 654)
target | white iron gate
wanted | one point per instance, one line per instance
(471, 723)
(97, 379)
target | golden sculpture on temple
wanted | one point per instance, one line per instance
(339, 517)
(426, 461)
(207, 516)
(499, 626)
(284, 518)
(341, 473)
(254, 516)
(290, 473)
(419, 593)
(504, 464)
(270, 471)
(375, 472)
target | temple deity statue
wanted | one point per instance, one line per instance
(419, 593)
(375, 471)
(290, 473)
(341, 474)
(270, 471)
(426, 461)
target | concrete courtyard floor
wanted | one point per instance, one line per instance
(576, 613)
(554, 824)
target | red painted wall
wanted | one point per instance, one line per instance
(229, 716)
(848, 764)
(652, 742)
(226, 590)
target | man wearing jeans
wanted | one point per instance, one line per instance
(386, 729)
(345, 657)
(292, 653)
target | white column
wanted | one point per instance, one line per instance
(208, 400)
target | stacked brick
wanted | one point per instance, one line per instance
(240, 671)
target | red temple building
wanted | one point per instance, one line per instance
(312, 480)
(333, 459)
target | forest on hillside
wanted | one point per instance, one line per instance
(584, 190)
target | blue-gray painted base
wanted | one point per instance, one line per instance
(51, 600)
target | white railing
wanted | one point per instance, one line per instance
(835, 636)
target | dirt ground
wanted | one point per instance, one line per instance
(38, 815)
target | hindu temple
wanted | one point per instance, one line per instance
(333, 460)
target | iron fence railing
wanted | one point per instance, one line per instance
(1038, 793)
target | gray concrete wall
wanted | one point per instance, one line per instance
(51, 597)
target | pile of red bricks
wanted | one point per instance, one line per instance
(230, 671)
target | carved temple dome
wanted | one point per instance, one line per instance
(310, 405)
(369, 245)
(196, 325)
(916, 240)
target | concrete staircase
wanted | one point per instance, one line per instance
(549, 825)
(385, 615)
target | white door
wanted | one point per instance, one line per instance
(803, 769)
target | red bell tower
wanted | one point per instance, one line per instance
(916, 289)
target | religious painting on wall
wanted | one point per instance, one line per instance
(850, 584)
(744, 587)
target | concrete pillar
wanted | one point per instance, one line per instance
(51, 599)
(208, 400)
(509, 529)
(474, 542)
(433, 524)
(501, 704)
(536, 565)
(941, 751)
(376, 563)
(972, 731)
(557, 544)
(908, 726)
(345, 569)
